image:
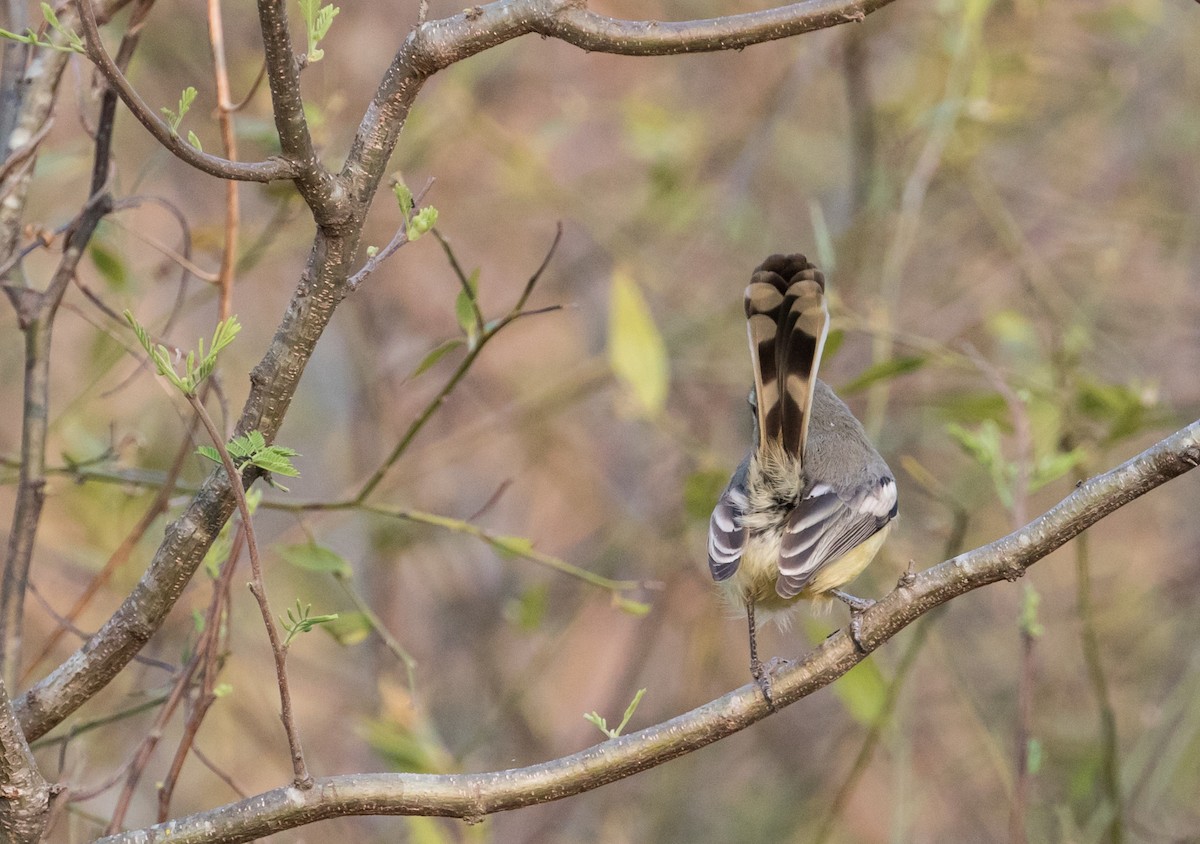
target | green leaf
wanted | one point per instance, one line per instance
(1030, 600)
(436, 353)
(512, 546)
(833, 343)
(209, 452)
(109, 265)
(422, 221)
(528, 611)
(277, 460)
(826, 256)
(1034, 758)
(971, 408)
(883, 371)
(349, 628)
(701, 489)
(636, 351)
(464, 312)
(862, 691)
(404, 197)
(311, 556)
(194, 141)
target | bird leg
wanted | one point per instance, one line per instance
(756, 668)
(857, 606)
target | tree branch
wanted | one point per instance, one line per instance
(471, 796)
(264, 171)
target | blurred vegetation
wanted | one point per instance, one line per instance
(1006, 196)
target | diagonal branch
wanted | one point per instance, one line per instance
(471, 796)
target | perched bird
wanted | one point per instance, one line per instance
(811, 504)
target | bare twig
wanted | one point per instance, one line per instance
(472, 796)
(486, 333)
(216, 38)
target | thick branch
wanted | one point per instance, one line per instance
(597, 33)
(472, 796)
(283, 76)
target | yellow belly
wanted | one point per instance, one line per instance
(759, 569)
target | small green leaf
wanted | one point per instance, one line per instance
(349, 628)
(276, 459)
(636, 351)
(528, 611)
(1034, 758)
(109, 265)
(1030, 601)
(464, 312)
(436, 353)
(883, 371)
(404, 197)
(629, 710)
(701, 489)
(422, 221)
(194, 141)
(221, 690)
(311, 556)
(862, 691)
(833, 343)
(512, 546)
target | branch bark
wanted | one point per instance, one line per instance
(471, 796)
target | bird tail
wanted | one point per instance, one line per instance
(787, 321)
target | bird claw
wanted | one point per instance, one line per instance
(762, 677)
(858, 606)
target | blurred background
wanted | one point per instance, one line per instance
(1005, 197)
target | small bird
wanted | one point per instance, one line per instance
(811, 504)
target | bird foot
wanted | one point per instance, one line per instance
(762, 676)
(857, 606)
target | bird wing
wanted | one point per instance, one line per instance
(825, 525)
(726, 534)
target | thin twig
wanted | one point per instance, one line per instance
(486, 333)
(398, 239)
(302, 778)
(216, 39)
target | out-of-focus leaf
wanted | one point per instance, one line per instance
(636, 351)
(825, 255)
(109, 265)
(1122, 410)
(1053, 466)
(436, 353)
(528, 611)
(349, 628)
(403, 749)
(883, 371)
(972, 408)
(701, 489)
(1013, 330)
(313, 557)
(862, 691)
(427, 831)
(833, 343)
